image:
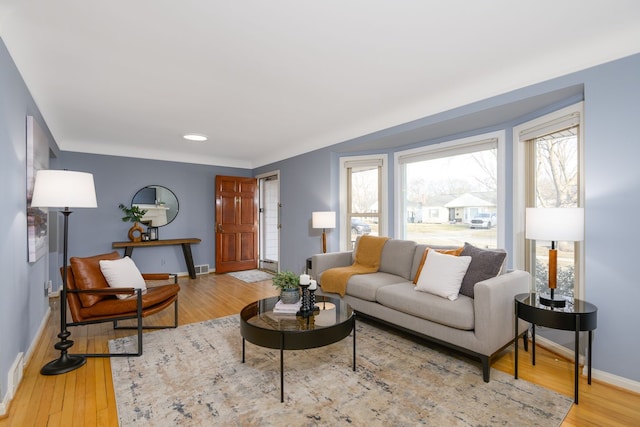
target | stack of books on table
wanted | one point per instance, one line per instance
(281, 308)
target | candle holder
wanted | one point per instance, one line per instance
(312, 301)
(305, 307)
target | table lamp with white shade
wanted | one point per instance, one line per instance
(324, 220)
(63, 189)
(554, 224)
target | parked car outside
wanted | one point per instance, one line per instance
(359, 227)
(484, 220)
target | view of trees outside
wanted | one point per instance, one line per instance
(452, 200)
(364, 193)
(556, 186)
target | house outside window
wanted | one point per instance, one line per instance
(451, 193)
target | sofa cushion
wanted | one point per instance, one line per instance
(419, 254)
(157, 295)
(402, 297)
(454, 252)
(87, 275)
(365, 286)
(442, 274)
(485, 264)
(397, 257)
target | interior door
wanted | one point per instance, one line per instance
(236, 223)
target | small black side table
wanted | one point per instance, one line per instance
(577, 316)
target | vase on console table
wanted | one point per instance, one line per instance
(135, 232)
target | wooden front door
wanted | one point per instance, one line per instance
(236, 223)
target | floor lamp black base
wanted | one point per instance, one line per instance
(66, 363)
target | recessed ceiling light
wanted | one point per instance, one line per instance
(195, 137)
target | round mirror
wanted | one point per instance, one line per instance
(159, 202)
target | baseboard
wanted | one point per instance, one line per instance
(558, 349)
(16, 372)
(616, 380)
(186, 274)
(4, 405)
(602, 376)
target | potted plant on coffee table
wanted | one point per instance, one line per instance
(288, 283)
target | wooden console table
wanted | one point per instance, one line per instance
(185, 243)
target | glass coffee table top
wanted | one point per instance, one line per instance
(260, 315)
(259, 325)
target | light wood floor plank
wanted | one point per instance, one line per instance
(85, 397)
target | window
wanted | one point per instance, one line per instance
(450, 193)
(550, 156)
(363, 198)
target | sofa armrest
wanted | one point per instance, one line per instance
(322, 262)
(494, 308)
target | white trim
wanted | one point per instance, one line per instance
(558, 349)
(615, 380)
(21, 363)
(383, 223)
(455, 146)
(602, 376)
(519, 180)
(258, 177)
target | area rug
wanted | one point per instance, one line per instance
(251, 276)
(193, 376)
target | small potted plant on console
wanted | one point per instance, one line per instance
(133, 214)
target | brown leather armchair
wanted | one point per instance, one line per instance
(91, 300)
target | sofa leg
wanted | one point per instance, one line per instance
(486, 368)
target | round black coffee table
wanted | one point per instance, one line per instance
(261, 326)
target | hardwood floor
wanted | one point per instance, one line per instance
(85, 397)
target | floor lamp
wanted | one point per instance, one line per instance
(554, 224)
(63, 189)
(324, 220)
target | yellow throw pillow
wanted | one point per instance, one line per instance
(454, 252)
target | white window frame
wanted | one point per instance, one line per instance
(455, 146)
(543, 125)
(383, 227)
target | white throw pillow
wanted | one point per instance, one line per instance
(442, 274)
(122, 273)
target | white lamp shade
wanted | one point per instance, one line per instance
(63, 189)
(555, 224)
(326, 219)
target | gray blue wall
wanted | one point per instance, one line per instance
(612, 191)
(23, 304)
(310, 182)
(117, 179)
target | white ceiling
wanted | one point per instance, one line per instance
(267, 80)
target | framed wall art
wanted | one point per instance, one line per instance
(37, 158)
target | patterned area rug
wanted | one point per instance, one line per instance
(193, 376)
(251, 276)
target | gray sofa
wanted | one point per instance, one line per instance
(480, 325)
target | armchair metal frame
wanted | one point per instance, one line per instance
(139, 314)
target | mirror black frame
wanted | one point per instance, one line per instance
(149, 196)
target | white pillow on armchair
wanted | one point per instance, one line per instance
(122, 273)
